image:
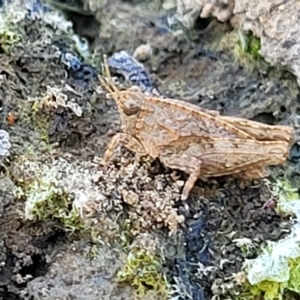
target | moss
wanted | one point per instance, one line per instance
(142, 271)
(246, 51)
(294, 283)
(247, 247)
(249, 44)
(254, 47)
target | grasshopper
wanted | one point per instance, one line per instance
(199, 142)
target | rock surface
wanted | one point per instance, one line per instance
(86, 223)
(273, 21)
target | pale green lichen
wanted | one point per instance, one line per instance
(277, 269)
(272, 290)
(54, 189)
(143, 271)
(288, 198)
(44, 200)
(9, 34)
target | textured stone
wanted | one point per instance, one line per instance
(275, 22)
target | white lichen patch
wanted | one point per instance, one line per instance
(57, 97)
(273, 264)
(73, 180)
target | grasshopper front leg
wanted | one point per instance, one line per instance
(186, 164)
(126, 140)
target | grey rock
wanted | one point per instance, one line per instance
(275, 22)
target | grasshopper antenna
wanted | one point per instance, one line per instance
(111, 87)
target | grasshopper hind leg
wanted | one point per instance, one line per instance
(186, 164)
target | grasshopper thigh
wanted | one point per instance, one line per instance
(187, 164)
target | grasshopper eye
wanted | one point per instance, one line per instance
(130, 107)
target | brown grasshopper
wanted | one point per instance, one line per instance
(197, 141)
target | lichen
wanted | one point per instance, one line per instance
(277, 269)
(44, 199)
(271, 290)
(143, 271)
(247, 246)
(8, 34)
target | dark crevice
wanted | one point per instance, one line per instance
(266, 118)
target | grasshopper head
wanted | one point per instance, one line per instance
(129, 106)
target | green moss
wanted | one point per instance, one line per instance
(142, 271)
(270, 290)
(247, 247)
(249, 44)
(254, 47)
(246, 51)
